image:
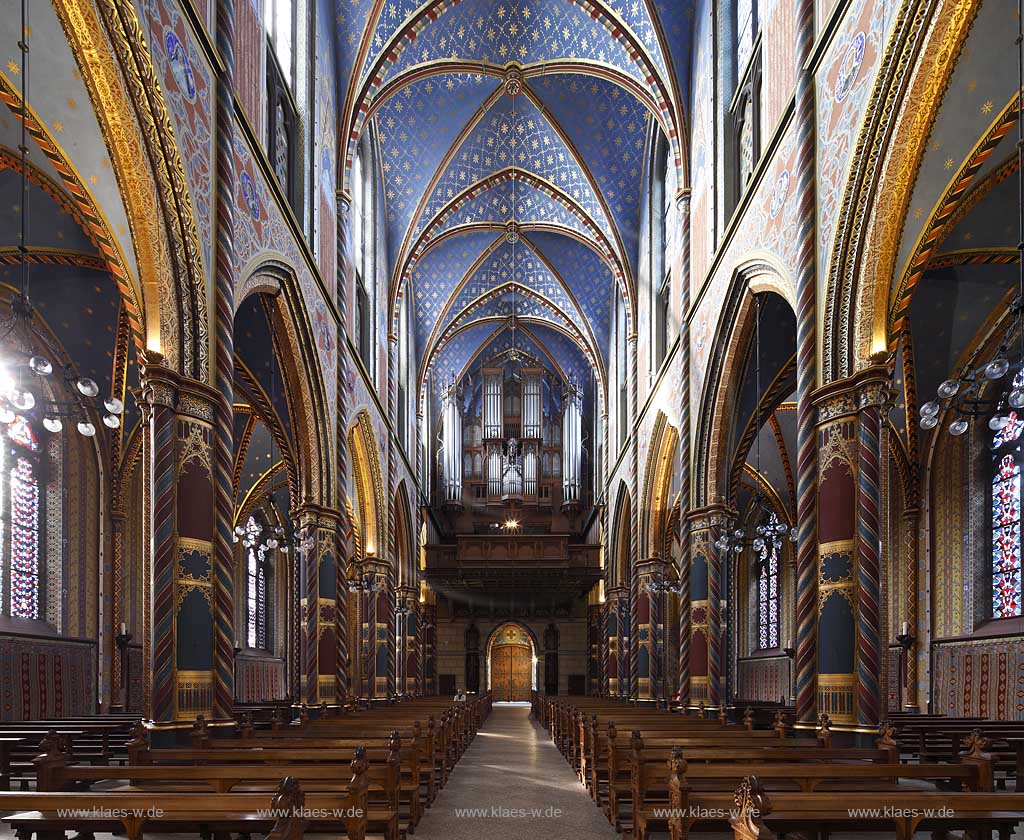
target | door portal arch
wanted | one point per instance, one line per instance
(511, 663)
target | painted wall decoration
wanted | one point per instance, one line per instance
(766, 679)
(766, 231)
(844, 83)
(979, 678)
(188, 84)
(46, 679)
(260, 679)
(262, 233)
(325, 235)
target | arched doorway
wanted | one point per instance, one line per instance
(511, 664)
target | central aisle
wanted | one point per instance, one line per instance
(513, 783)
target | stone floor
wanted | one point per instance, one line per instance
(511, 784)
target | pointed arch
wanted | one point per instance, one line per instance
(657, 486)
(620, 534)
(718, 400)
(405, 539)
(369, 484)
(294, 347)
(118, 71)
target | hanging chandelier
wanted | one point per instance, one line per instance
(367, 583)
(769, 532)
(964, 394)
(26, 362)
(267, 538)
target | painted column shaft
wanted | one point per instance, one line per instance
(181, 450)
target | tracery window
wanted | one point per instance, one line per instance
(282, 111)
(768, 591)
(1006, 501)
(362, 213)
(20, 574)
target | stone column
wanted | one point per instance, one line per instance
(345, 663)
(429, 626)
(651, 630)
(180, 448)
(683, 209)
(319, 584)
(225, 275)
(594, 624)
(849, 549)
(392, 463)
(378, 647)
(705, 606)
(617, 611)
(806, 364)
(406, 614)
(634, 512)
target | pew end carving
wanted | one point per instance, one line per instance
(752, 805)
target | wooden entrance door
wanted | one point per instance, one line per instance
(511, 672)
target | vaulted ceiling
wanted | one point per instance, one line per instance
(537, 113)
(957, 262)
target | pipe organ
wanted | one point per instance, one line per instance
(451, 445)
(572, 448)
(504, 441)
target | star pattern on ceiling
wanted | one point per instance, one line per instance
(537, 112)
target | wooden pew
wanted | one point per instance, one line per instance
(56, 775)
(378, 752)
(287, 815)
(651, 772)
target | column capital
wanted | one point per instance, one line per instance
(162, 386)
(683, 200)
(712, 513)
(309, 514)
(847, 396)
(651, 566)
(344, 199)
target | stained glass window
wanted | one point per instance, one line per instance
(1006, 565)
(19, 528)
(768, 591)
(747, 143)
(256, 608)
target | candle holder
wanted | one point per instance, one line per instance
(906, 640)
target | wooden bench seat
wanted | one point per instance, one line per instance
(754, 814)
(286, 815)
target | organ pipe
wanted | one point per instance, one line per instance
(494, 469)
(572, 443)
(530, 464)
(494, 409)
(532, 413)
(451, 445)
